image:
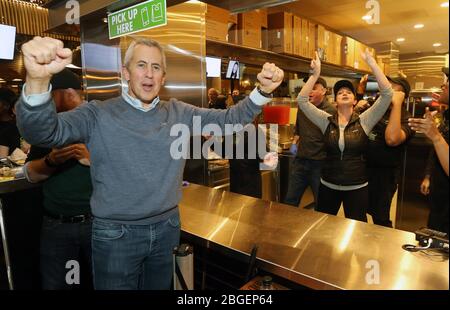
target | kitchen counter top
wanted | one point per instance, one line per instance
(313, 249)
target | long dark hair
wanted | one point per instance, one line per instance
(8, 100)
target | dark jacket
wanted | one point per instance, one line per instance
(381, 155)
(311, 144)
(348, 167)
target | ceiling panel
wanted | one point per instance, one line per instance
(397, 20)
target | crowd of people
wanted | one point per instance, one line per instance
(125, 222)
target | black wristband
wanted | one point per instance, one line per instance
(263, 93)
(49, 162)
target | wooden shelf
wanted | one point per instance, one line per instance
(255, 56)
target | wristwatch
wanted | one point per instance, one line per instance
(49, 162)
(263, 93)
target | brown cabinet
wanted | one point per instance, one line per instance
(280, 33)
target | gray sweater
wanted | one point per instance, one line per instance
(135, 180)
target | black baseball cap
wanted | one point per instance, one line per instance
(341, 84)
(402, 82)
(445, 71)
(65, 79)
(320, 81)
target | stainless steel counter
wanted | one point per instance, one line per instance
(16, 185)
(313, 249)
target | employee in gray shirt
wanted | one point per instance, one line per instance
(136, 182)
(309, 149)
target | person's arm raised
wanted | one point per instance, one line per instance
(314, 114)
(36, 115)
(43, 57)
(309, 85)
(382, 80)
(371, 116)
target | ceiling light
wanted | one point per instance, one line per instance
(419, 26)
(444, 4)
(401, 40)
(105, 20)
(17, 80)
(367, 17)
(437, 44)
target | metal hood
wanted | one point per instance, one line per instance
(58, 11)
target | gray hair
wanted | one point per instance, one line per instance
(149, 43)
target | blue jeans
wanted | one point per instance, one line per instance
(134, 257)
(60, 243)
(304, 173)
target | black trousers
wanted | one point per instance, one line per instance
(439, 195)
(382, 186)
(355, 202)
(61, 243)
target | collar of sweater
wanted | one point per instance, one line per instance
(136, 103)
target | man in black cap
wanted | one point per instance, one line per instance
(308, 148)
(387, 142)
(65, 173)
(435, 182)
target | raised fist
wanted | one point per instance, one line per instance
(270, 77)
(44, 57)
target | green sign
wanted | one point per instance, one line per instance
(142, 16)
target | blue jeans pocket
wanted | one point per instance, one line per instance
(174, 221)
(105, 231)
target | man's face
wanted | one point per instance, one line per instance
(317, 94)
(145, 74)
(212, 95)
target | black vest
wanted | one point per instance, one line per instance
(348, 167)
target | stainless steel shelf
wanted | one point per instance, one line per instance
(256, 56)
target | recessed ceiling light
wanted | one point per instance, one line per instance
(437, 44)
(367, 17)
(401, 40)
(418, 26)
(444, 4)
(17, 80)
